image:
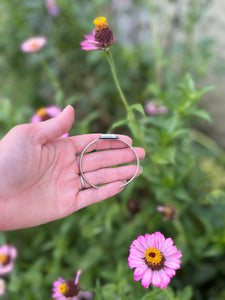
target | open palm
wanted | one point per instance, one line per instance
(40, 171)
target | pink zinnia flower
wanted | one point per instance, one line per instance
(155, 259)
(46, 113)
(33, 44)
(101, 38)
(52, 8)
(63, 290)
(152, 108)
(8, 255)
(169, 212)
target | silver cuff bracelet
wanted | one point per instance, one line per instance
(108, 137)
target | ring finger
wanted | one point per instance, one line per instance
(107, 175)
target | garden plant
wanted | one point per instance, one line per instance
(127, 67)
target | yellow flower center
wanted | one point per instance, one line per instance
(3, 258)
(154, 258)
(42, 112)
(63, 288)
(34, 45)
(100, 23)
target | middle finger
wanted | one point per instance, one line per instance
(108, 158)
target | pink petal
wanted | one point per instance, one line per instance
(136, 244)
(142, 241)
(170, 272)
(56, 283)
(6, 269)
(149, 240)
(170, 251)
(139, 271)
(13, 253)
(135, 252)
(35, 119)
(160, 240)
(56, 294)
(133, 262)
(147, 278)
(53, 111)
(176, 255)
(89, 37)
(77, 276)
(90, 47)
(156, 279)
(172, 265)
(4, 249)
(137, 278)
(168, 244)
(164, 277)
(65, 135)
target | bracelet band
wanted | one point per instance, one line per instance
(108, 137)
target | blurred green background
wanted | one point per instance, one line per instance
(163, 52)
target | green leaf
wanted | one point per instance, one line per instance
(138, 107)
(189, 82)
(216, 197)
(59, 98)
(71, 100)
(204, 91)
(84, 124)
(186, 293)
(119, 123)
(214, 251)
(180, 132)
(182, 194)
(98, 291)
(201, 114)
(152, 89)
(164, 156)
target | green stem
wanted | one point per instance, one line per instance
(130, 115)
(178, 225)
(207, 142)
(168, 295)
(113, 70)
(59, 95)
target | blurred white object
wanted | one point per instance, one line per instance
(2, 287)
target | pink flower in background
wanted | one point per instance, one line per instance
(101, 38)
(155, 259)
(2, 287)
(33, 44)
(151, 108)
(52, 7)
(70, 289)
(169, 212)
(46, 113)
(8, 255)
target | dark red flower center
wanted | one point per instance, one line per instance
(154, 259)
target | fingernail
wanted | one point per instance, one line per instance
(66, 107)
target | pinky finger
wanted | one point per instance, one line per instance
(92, 195)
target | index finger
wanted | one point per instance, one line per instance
(81, 141)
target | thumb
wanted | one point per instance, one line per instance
(57, 126)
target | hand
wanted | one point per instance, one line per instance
(39, 171)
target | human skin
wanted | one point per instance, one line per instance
(39, 171)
